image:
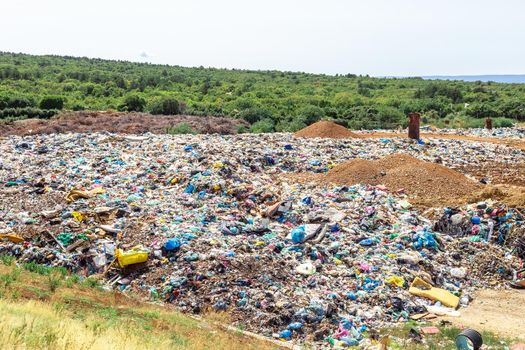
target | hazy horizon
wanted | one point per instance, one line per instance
(378, 38)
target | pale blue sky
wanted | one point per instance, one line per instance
(376, 37)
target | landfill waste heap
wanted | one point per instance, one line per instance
(209, 222)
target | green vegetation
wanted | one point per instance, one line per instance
(40, 308)
(401, 338)
(41, 86)
(48, 307)
(180, 129)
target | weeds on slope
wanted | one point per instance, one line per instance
(49, 308)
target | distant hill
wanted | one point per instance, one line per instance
(510, 79)
(41, 86)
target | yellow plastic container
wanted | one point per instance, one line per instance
(136, 255)
(426, 290)
(12, 238)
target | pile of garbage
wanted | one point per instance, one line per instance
(206, 222)
(487, 222)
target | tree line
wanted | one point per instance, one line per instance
(41, 86)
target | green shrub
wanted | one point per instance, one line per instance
(181, 129)
(262, 126)
(52, 102)
(253, 115)
(166, 106)
(311, 114)
(503, 123)
(7, 279)
(28, 112)
(368, 117)
(16, 101)
(242, 129)
(290, 125)
(78, 107)
(132, 103)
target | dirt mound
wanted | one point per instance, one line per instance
(326, 129)
(356, 171)
(118, 122)
(426, 183)
(496, 172)
(513, 196)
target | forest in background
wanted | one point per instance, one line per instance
(42, 86)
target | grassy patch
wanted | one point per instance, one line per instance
(181, 129)
(53, 282)
(90, 282)
(7, 259)
(444, 340)
(39, 308)
(7, 279)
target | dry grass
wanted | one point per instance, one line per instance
(36, 312)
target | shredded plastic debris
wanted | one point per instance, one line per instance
(220, 227)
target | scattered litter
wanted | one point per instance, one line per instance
(215, 222)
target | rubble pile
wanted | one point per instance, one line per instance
(207, 222)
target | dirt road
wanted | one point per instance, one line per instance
(498, 311)
(520, 144)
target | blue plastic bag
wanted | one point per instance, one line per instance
(298, 234)
(172, 244)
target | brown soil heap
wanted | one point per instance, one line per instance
(427, 182)
(326, 129)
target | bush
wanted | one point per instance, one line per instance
(503, 123)
(21, 102)
(364, 117)
(29, 112)
(514, 109)
(132, 103)
(255, 114)
(436, 89)
(482, 110)
(242, 129)
(311, 114)
(52, 102)
(78, 107)
(263, 126)
(290, 125)
(166, 106)
(181, 129)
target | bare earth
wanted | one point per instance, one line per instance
(498, 311)
(512, 143)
